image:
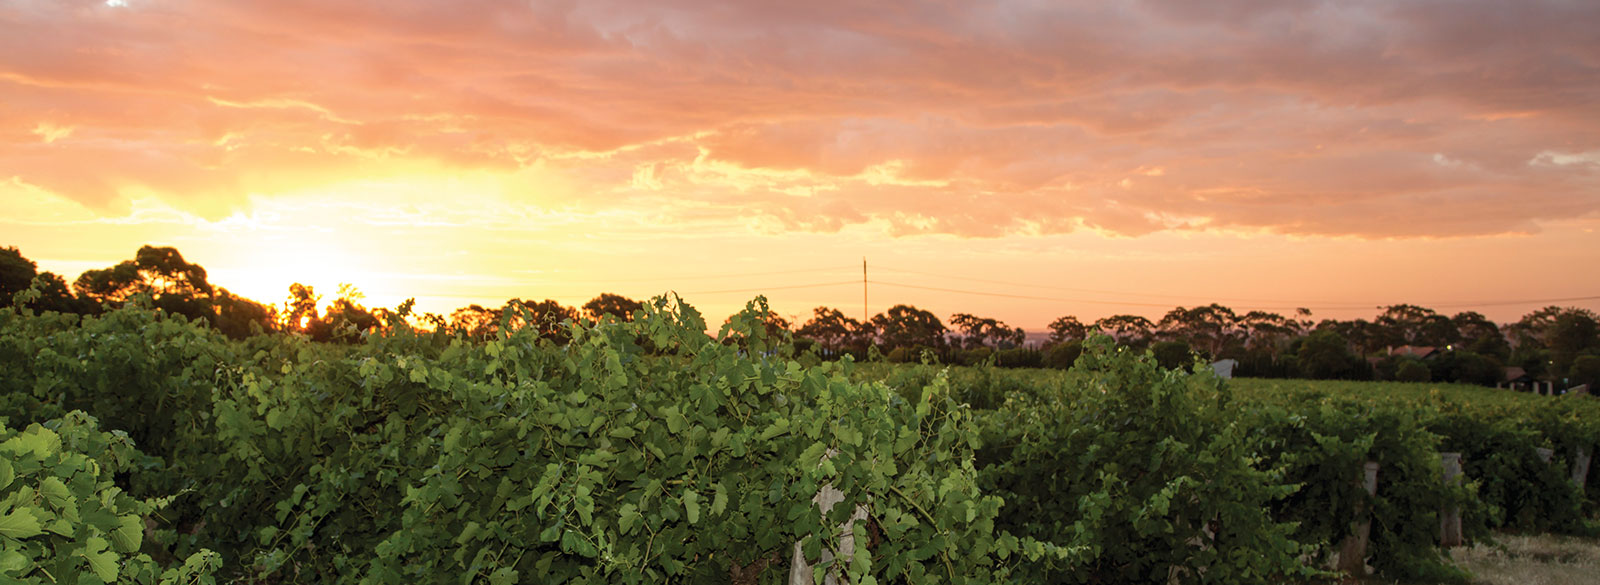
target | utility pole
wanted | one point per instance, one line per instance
(864, 317)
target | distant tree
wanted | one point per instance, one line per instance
(346, 319)
(617, 306)
(55, 295)
(158, 271)
(1068, 328)
(1129, 330)
(1466, 367)
(1585, 370)
(986, 332)
(475, 322)
(546, 316)
(1325, 355)
(1562, 332)
(1267, 332)
(1414, 325)
(1411, 371)
(1210, 329)
(907, 326)
(1573, 331)
(239, 317)
(1062, 355)
(1172, 354)
(1478, 334)
(174, 285)
(1361, 337)
(832, 329)
(1532, 328)
(301, 307)
(16, 273)
(977, 355)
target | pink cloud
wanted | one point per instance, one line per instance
(982, 119)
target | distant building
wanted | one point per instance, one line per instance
(1416, 352)
(1224, 368)
(1514, 377)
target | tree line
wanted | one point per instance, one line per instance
(1403, 342)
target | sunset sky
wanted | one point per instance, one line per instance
(1083, 158)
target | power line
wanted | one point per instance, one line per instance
(1064, 299)
(767, 288)
(1504, 303)
(1330, 307)
(1090, 290)
(676, 277)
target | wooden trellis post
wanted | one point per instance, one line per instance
(1580, 468)
(1450, 517)
(1353, 552)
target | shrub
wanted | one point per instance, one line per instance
(1411, 371)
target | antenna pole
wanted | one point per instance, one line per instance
(864, 317)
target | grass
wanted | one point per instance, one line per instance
(1532, 560)
(1543, 559)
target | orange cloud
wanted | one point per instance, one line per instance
(1371, 119)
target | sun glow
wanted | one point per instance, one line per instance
(275, 261)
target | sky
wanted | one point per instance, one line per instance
(1022, 160)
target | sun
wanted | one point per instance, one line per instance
(263, 271)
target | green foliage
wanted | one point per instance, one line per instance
(1172, 354)
(16, 273)
(1320, 441)
(1062, 355)
(1019, 357)
(645, 450)
(641, 451)
(1411, 371)
(63, 520)
(1498, 433)
(1324, 355)
(1585, 370)
(1143, 467)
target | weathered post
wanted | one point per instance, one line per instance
(1545, 454)
(1450, 517)
(1580, 468)
(1353, 552)
(800, 572)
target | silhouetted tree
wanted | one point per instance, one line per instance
(909, 327)
(833, 330)
(617, 306)
(174, 285)
(16, 273)
(986, 332)
(1172, 354)
(1068, 328)
(1361, 336)
(1210, 328)
(547, 316)
(239, 317)
(475, 322)
(301, 307)
(1414, 325)
(1268, 332)
(1550, 339)
(1130, 330)
(1325, 355)
(1478, 334)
